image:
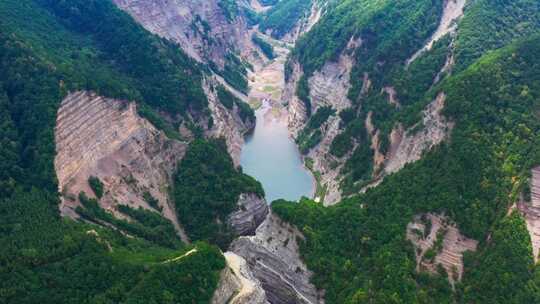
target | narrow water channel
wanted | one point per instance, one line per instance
(271, 156)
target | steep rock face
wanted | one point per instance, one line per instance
(531, 212)
(428, 230)
(296, 108)
(452, 12)
(201, 28)
(106, 138)
(227, 123)
(328, 87)
(237, 284)
(306, 23)
(326, 164)
(252, 210)
(273, 257)
(408, 146)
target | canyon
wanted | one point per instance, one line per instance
(106, 138)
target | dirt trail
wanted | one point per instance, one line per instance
(192, 251)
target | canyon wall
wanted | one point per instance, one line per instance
(203, 29)
(252, 210)
(107, 139)
(226, 123)
(408, 146)
(328, 87)
(273, 256)
(237, 285)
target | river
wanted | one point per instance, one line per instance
(271, 156)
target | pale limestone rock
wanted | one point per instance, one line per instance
(531, 212)
(452, 12)
(274, 259)
(453, 246)
(307, 22)
(237, 284)
(408, 146)
(330, 85)
(106, 138)
(182, 21)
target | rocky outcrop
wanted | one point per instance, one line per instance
(531, 212)
(306, 23)
(452, 12)
(202, 28)
(252, 210)
(274, 259)
(106, 138)
(438, 241)
(237, 285)
(330, 85)
(296, 108)
(227, 123)
(408, 146)
(327, 165)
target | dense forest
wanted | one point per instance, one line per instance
(358, 248)
(48, 48)
(206, 190)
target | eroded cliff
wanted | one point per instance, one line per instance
(437, 241)
(107, 139)
(273, 257)
(206, 30)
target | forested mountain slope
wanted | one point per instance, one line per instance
(383, 57)
(122, 121)
(358, 248)
(47, 50)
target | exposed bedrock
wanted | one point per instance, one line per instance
(252, 210)
(227, 123)
(408, 146)
(237, 285)
(452, 12)
(531, 212)
(201, 28)
(106, 138)
(438, 241)
(306, 23)
(274, 259)
(328, 87)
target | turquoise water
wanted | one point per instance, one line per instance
(272, 157)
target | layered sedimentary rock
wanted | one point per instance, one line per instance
(531, 212)
(252, 210)
(237, 284)
(204, 29)
(274, 259)
(408, 146)
(107, 139)
(429, 229)
(227, 123)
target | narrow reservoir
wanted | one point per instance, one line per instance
(271, 156)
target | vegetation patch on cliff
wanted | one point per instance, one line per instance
(206, 190)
